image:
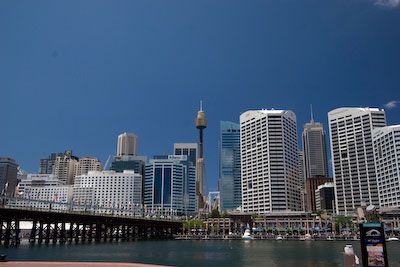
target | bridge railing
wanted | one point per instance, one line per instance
(76, 208)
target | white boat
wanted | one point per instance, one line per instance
(306, 237)
(329, 238)
(279, 238)
(392, 239)
(247, 235)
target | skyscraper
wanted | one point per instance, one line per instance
(8, 176)
(229, 183)
(87, 164)
(65, 167)
(164, 185)
(352, 156)
(269, 159)
(189, 185)
(127, 144)
(314, 147)
(386, 141)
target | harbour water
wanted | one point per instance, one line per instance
(200, 253)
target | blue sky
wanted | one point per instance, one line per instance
(75, 74)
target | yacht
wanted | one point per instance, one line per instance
(247, 235)
(392, 239)
(279, 238)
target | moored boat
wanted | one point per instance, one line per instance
(247, 235)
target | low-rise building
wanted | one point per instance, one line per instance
(44, 191)
(108, 190)
(324, 197)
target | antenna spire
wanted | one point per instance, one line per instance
(312, 114)
(201, 105)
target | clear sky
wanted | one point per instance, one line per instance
(75, 74)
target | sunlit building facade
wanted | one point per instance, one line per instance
(352, 153)
(387, 160)
(269, 161)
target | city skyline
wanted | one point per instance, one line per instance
(214, 181)
(78, 83)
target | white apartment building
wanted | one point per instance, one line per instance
(387, 162)
(105, 190)
(87, 164)
(269, 161)
(353, 161)
(38, 190)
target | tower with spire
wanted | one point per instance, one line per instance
(314, 145)
(315, 161)
(201, 124)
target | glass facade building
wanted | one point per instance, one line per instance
(188, 149)
(132, 163)
(189, 187)
(229, 183)
(164, 185)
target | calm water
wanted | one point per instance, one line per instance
(200, 253)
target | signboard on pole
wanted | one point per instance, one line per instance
(373, 246)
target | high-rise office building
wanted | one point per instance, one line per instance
(230, 181)
(46, 166)
(386, 142)
(164, 185)
(8, 176)
(269, 161)
(352, 156)
(189, 185)
(127, 144)
(314, 149)
(188, 149)
(87, 164)
(65, 166)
